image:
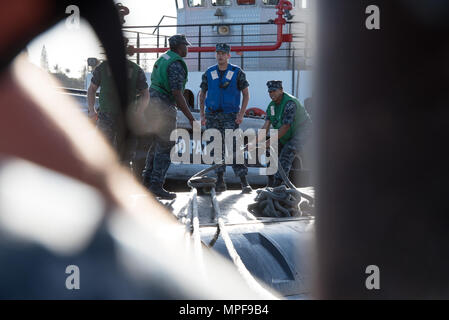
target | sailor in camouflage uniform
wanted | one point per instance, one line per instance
(109, 111)
(168, 81)
(224, 84)
(286, 114)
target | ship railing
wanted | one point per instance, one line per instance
(157, 37)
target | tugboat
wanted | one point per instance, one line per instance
(269, 242)
(269, 39)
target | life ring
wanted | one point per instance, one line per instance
(255, 112)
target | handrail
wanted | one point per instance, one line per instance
(160, 21)
(283, 7)
(209, 24)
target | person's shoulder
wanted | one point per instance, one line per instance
(102, 65)
(292, 103)
(176, 68)
(170, 57)
(175, 64)
(235, 67)
(167, 55)
(240, 72)
(212, 67)
(134, 65)
(292, 97)
(181, 65)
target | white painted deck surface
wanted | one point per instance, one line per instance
(233, 206)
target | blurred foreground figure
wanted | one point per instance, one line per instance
(383, 119)
(73, 222)
(109, 103)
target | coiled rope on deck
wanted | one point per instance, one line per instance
(278, 202)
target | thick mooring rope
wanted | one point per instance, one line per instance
(279, 202)
(198, 181)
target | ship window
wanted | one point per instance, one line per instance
(275, 2)
(270, 2)
(196, 3)
(246, 2)
(221, 2)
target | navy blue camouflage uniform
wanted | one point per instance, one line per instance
(158, 158)
(295, 145)
(222, 121)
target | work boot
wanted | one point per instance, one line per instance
(160, 192)
(220, 185)
(246, 188)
